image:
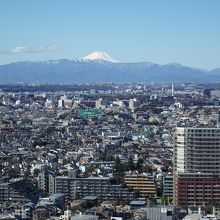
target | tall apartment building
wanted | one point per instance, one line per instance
(168, 186)
(46, 181)
(196, 166)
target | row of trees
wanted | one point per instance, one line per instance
(120, 168)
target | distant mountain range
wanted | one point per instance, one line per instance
(100, 67)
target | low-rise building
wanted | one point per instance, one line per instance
(143, 183)
(103, 187)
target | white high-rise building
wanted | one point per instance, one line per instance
(65, 102)
(101, 103)
(49, 103)
(133, 103)
(197, 150)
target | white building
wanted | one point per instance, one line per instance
(197, 150)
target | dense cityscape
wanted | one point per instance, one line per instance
(109, 110)
(110, 151)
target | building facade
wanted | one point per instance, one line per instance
(196, 166)
(168, 186)
(142, 183)
(102, 187)
(193, 189)
(46, 181)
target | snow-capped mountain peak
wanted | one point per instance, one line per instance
(98, 55)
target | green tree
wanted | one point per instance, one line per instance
(165, 200)
(90, 169)
(211, 203)
(13, 173)
(105, 156)
(36, 172)
(130, 164)
(77, 196)
(139, 165)
(119, 168)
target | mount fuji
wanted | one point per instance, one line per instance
(99, 67)
(99, 56)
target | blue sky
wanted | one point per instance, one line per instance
(160, 31)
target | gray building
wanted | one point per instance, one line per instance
(103, 187)
(19, 190)
(156, 213)
(46, 181)
(168, 186)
